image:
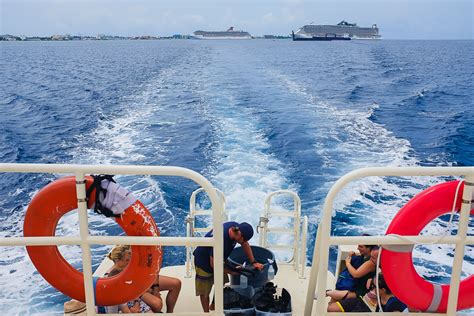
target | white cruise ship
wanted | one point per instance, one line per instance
(220, 35)
(342, 31)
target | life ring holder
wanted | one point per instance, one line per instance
(41, 219)
(397, 261)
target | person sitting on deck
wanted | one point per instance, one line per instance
(359, 274)
(204, 262)
(137, 305)
(369, 302)
(121, 256)
(162, 283)
(170, 284)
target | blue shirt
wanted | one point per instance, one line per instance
(202, 255)
(393, 305)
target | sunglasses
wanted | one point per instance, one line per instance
(372, 286)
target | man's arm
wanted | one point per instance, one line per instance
(249, 253)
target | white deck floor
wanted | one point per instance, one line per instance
(286, 277)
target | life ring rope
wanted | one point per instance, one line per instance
(404, 248)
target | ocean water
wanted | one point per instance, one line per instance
(252, 116)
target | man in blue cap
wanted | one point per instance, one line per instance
(203, 259)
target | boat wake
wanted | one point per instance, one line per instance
(368, 205)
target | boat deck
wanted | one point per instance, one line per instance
(188, 302)
(286, 277)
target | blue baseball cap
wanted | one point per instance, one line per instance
(246, 230)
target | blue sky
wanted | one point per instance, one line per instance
(397, 19)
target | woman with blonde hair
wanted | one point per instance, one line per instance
(121, 256)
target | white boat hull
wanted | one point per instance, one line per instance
(222, 37)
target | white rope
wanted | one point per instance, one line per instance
(447, 233)
(377, 290)
(448, 230)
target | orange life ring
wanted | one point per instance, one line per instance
(42, 217)
(397, 263)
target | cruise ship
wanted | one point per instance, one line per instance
(219, 35)
(342, 31)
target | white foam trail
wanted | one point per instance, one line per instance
(240, 166)
(119, 136)
(118, 139)
(350, 141)
(244, 172)
(17, 267)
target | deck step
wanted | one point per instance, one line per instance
(279, 246)
(281, 214)
(202, 229)
(201, 213)
(279, 230)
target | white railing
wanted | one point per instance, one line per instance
(324, 240)
(321, 249)
(192, 230)
(298, 258)
(85, 240)
(304, 239)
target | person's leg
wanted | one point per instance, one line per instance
(335, 307)
(337, 295)
(204, 302)
(203, 283)
(173, 286)
(212, 306)
(155, 302)
(226, 280)
(348, 305)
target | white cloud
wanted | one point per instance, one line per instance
(193, 18)
(268, 18)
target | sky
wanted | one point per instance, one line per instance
(396, 19)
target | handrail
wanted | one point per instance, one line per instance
(324, 240)
(190, 225)
(85, 240)
(295, 214)
(304, 239)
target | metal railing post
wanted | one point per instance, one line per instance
(218, 236)
(188, 248)
(460, 246)
(85, 246)
(296, 227)
(304, 236)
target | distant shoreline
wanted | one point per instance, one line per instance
(100, 37)
(68, 38)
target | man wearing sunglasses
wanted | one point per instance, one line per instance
(234, 233)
